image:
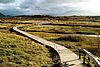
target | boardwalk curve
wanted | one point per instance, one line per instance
(67, 57)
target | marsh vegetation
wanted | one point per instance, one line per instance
(16, 50)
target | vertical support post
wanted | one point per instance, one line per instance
(79, 54)
(88, 61)
(84, 58)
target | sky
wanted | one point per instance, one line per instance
(50, 7)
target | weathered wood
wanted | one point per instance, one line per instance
(91, 58)
(84, 58)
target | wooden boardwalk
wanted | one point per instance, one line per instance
(67, 57)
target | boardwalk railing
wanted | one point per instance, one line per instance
(88, 58)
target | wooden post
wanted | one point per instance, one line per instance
(84, 58)
(79, 51)
(79, 54)
(88, 61)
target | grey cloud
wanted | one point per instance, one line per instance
(45, 3)
(6, 1)
(11, 12)
(79, 12)
(42, 7)
(27, 3)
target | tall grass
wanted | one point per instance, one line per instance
(53, 34)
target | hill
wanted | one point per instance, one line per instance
(2, 15)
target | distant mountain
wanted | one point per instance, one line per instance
(36, 16)
(1, 15)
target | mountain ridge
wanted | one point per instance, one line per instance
(2, 15)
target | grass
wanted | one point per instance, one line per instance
(59, 34)
(16, 50)
(63, 29)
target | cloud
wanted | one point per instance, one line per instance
(6, 1)
(42, 7)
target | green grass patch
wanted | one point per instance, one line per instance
(19, 51)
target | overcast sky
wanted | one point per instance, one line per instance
(50, 7)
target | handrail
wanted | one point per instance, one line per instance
(88, 57)
(92, 60)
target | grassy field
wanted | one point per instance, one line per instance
(19, 51)
(60, 34)
(16, 50)
(64, 29)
